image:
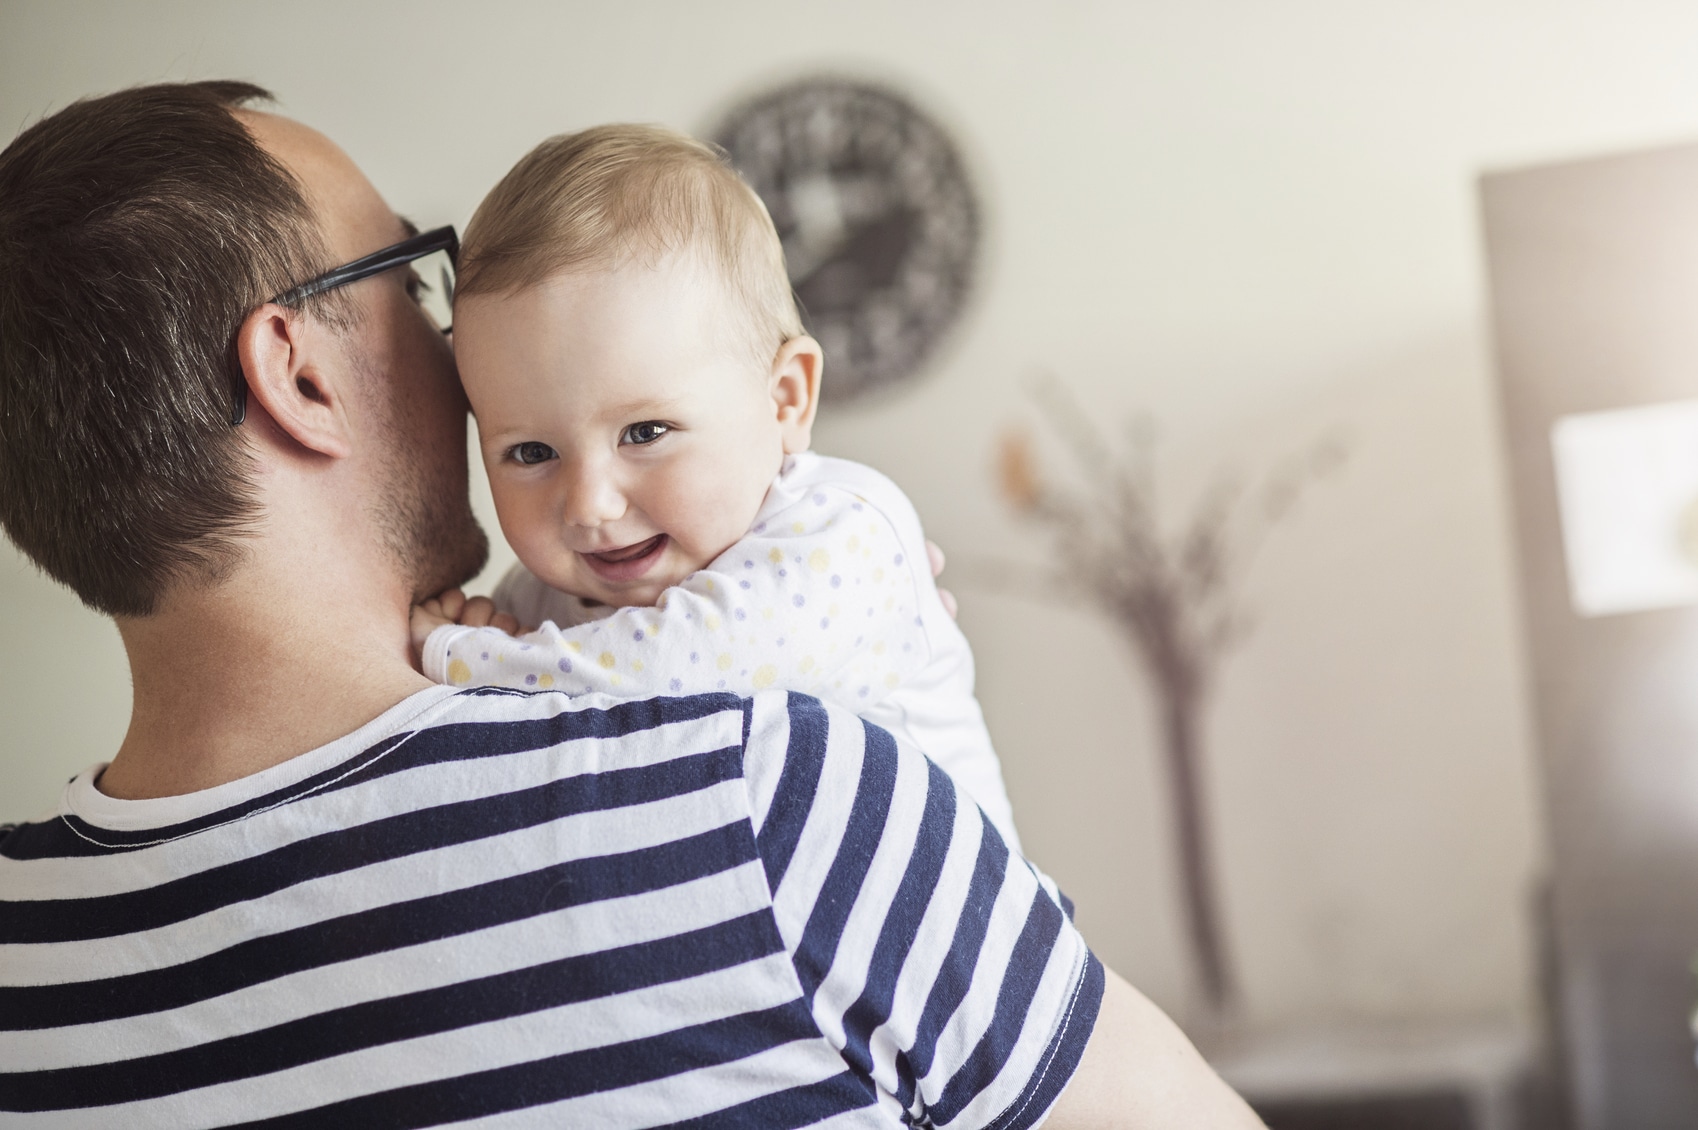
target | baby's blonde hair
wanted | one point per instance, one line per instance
(600, 198)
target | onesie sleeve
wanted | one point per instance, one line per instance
(818, 597)
(940, 964)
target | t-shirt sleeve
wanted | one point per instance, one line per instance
(940, 964)
(819, 597)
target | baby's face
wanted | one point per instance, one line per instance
(627, 445)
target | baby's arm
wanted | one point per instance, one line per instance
(816, 598)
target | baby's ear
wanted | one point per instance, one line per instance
(796, 390)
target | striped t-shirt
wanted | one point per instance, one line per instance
(519, 909)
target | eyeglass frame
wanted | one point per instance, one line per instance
(398, 254)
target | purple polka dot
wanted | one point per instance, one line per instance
(836, 581)
(637, 635)
(760, 527)
(676, 684)
(565, 666)
(797, 559)
(741, 615)
(694, 657)
(919, 623)
(780, 641)
(899, 559)
(825, 621)
(819, 499)
(854, 505)
(798, 600)
(524, 647)
(486, 655)
(748, 564)
(722, 684)
(784, 572)
(864, 690)
(859, 640)
(530, 680)
(745, 584)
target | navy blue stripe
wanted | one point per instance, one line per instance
(956, 976)
(410, 923)
(798, 781)
(449, 741)
(1061, 1059)
(347, 849)
(902, 923)
(814, 953)
(1020, 981)
(797, 1106)
(560, 1077)
(404, 1017)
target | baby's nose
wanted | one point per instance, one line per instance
(592, 497)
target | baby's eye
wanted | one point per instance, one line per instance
(646, 432)
(531, 453)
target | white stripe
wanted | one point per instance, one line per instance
(874, 904)
(932, 945)
(1021, 1071)
(760, 984)
(764, 761)
(978, 1009)
(422, 874)
(822, 832)
(463, 957)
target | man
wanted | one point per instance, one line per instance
(311, 887)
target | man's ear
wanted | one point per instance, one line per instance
(796, 390)
(281, 352)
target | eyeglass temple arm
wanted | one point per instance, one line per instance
(437, 239)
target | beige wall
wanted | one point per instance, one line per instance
(1256, 221)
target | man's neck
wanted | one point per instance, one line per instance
(232, 681)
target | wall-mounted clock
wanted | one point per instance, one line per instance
(879, 222)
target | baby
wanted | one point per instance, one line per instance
(645, 395)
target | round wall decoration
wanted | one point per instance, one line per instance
(879, 221)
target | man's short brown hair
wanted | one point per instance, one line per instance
(594, 200)
(137, 231)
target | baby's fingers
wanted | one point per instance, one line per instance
(450, 603)
(508, 624)
(478, 612)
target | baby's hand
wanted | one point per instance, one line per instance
(452, 607)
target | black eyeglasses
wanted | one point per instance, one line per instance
(407, 251)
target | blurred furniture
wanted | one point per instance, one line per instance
(1594, 286)
(1384, 1077)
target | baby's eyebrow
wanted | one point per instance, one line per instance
(642, 407)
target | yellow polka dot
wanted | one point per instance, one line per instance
(637, 666)
(545, 680)
(878, 648)
(708, 583)
(607, 659)
(725, 662)
(615, 680)
(891, 680)
(878, 575)
(806, 665)
(819, 560)
(764, 675)
(711, 623)
(889, 603)
(832, 611)
(575, 646)
(766, 614)
(797, 527)
(458, 673)
(872, 528)
(776, 556)
(854, 543)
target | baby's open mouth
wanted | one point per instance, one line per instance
(629, 562)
